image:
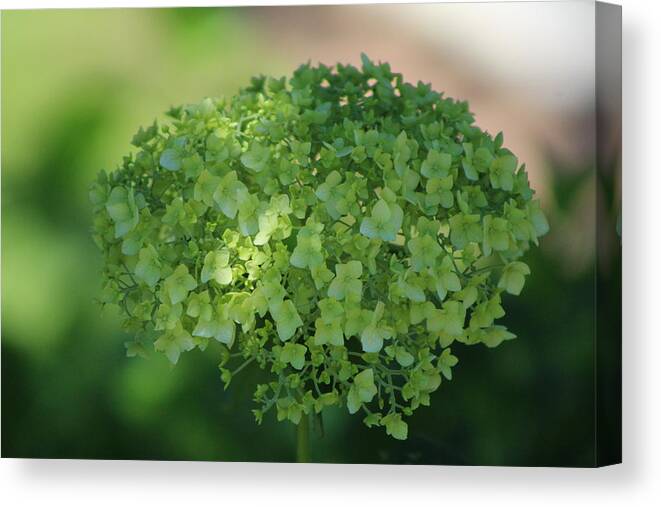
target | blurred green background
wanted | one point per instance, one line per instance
(75, 87)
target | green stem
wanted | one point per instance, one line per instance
(487, 268)
(243, 365)
(303, 440)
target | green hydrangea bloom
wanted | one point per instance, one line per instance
(340, 229)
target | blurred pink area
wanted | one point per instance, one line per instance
(340, 34)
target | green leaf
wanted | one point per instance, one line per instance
(123, 211)
(384, 223)
(436, 165)
(219, 328)
(257, 158)
(357, 319)
(286, 318)
(328, 332)
(501, 172)
(171, 159)
(307, 253)
(446, 278)
(403, 357)
(148, 268)
(248, 207)
(192, 166)
(465, 229)
(485, 313)
(372, 420)
(325, 191)
(513, 277)
(199, 305)
(395, 427)
(216, 267)
(347, 281)
(353, 401)
(362, 390)
(373, 335)
(402, 153)
(321, 275)
(294, 354)
(482, 159)
(448, 320)
(174, 342)
(496, 234)
(179, 284)
(167, 316)
(134, 349)
(495, 335)
(143, 136)
(424, 252)
(371, 339)
(467, 163)
(445, 363)
(205, 186)
(229, 193)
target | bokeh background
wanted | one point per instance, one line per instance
(77, 84)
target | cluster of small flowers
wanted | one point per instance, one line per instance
(340, 229)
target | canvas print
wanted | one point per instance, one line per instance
(344, 234)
